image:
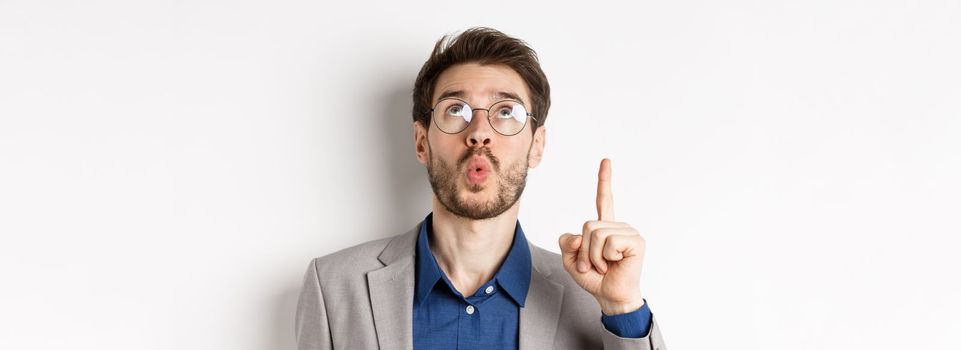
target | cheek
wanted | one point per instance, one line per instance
(514, 151)
(443, 147)
(520, 146)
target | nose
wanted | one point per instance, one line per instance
(479, 132)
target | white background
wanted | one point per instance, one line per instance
(168, 168)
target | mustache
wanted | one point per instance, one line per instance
(482, 151)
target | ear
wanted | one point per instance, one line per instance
(537, 147)
(420, 143)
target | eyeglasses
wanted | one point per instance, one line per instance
(507, 117)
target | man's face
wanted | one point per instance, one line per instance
(479, 173)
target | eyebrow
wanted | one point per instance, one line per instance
(500, 95)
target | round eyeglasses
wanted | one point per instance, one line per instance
(507, 117)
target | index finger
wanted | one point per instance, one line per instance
(605, 199)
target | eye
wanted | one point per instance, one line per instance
(455, 110)
(505, 113)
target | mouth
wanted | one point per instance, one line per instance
(477, 170)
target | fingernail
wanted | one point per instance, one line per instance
(582, 266)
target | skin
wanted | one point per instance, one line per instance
(605, 258)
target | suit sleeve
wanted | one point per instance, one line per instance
(312, 329)
(651, 341)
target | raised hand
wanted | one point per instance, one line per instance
(606, 258)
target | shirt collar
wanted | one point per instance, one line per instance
(513, 276)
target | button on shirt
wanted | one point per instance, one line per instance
(489, 318)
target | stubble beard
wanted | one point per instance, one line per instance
(444, 179)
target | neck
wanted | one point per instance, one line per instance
(470, 251)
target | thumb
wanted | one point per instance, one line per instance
(570, 245)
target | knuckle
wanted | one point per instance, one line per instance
(598, 235)
(585, 241)
(589, 225)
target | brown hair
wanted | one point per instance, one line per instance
(484, 46)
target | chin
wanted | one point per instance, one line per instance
(477, 194)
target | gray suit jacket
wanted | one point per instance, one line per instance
(362, 298)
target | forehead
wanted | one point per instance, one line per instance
(481, 83)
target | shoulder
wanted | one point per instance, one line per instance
(357, 260)
(352, 258)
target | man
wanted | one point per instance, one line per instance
(466, 277)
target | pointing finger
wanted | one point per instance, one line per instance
(605, 199)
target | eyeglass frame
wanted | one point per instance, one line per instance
(430, 113)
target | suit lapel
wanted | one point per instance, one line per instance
(542, 310)
(391, 291)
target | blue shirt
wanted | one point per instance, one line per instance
(489, 318)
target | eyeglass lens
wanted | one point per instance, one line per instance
(506, 117)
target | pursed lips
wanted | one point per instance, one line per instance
(478, 168)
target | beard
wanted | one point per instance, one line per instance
(444, 179)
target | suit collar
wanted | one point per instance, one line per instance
(542, 261)
(400, 247)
